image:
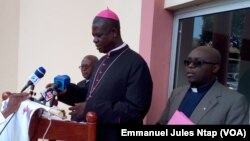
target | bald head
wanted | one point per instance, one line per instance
(212, 54)
(92, 58)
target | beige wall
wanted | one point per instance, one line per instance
(9, 19)
(55, 34)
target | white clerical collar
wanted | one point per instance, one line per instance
(117, 48)
(194, 90)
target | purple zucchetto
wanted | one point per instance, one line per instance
(108, 14)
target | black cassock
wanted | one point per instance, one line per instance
(120, 91)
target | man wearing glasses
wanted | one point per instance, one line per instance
(87, 66)
(75, 99)
(205, 100)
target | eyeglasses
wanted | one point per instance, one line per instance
(197, 63)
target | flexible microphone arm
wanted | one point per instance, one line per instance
(26, 86)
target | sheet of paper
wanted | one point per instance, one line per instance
(180, 118)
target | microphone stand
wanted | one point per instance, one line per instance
(32, 87)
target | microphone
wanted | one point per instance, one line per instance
(61, 82)
(47, 95)
(34, 78)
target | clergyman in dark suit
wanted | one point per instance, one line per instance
(87, 66)
(206, 101)
(121, 86)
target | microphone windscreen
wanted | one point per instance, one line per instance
(35, 77)
(40, 72)
(61, 82)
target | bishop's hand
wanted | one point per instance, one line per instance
(77, 111)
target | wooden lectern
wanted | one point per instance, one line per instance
(62, 130)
